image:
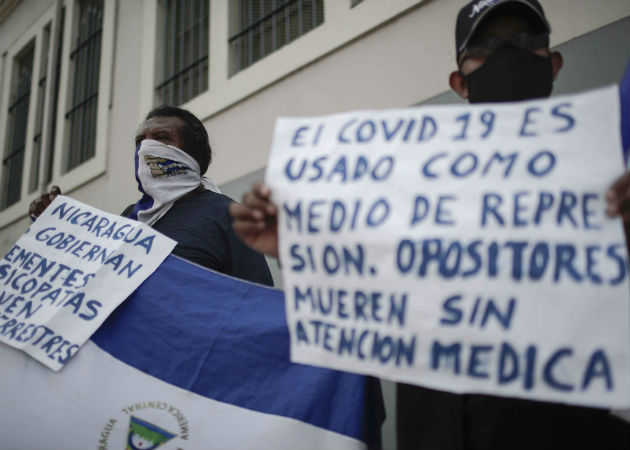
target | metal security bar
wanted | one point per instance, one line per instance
(86, 57)
(50, 155)
(186, 46)
(13, 160)
(266, 25)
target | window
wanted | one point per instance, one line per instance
(263, 26)
(13, 161)
(50, 156)
(86, 57)
(185, 50)
(55, 128)
(39, 114)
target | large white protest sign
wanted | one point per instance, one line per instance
(463, 248)
(67, 273)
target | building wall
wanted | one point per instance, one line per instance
(400, 63)
(376, 55)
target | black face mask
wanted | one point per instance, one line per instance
(510, 74)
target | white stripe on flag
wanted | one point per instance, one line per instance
(88, 404)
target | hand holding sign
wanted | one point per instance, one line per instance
(67, 273)
(458, 247)
(255, 220)
(618, 198)
(38, 206)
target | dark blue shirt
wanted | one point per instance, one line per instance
(201, 225)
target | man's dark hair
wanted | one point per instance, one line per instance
(194, 135)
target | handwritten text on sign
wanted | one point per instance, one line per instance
(462, 248)
(67, 273)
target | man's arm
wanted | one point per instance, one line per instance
(255, 219)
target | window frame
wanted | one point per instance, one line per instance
(91, 168)
(76, 54)
(34, 35)
(15, 100)
(247, 29)
(95, 166)
(342, 24)
(162, 79)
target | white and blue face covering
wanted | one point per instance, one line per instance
(164, 174)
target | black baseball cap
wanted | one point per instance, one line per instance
(471, 15)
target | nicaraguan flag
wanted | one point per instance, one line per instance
(192, 360)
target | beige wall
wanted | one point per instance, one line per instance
(400, 62)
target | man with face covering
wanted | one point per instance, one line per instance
(503, 52)
(502, 55)
(172, 151)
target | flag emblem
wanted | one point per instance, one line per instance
(143, 435)
(162, 167)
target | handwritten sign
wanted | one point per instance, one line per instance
(462, 248)
(67, 273)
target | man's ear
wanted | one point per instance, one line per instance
(458, 84)
(556, 63)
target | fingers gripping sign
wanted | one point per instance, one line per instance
(39, 205)
(618, 198)
(255, 220)
(618, 203)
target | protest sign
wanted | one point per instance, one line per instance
(462, 248)
(67, 273)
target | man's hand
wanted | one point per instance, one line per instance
(255, 220)
(618, 199)
(38, 206)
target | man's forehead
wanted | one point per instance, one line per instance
(167, 123)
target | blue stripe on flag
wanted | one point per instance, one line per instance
(227, 340)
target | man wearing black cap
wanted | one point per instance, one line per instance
(503, 52)
(503, 55)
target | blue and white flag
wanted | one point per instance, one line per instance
(192, 360)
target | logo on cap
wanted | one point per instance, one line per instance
(479, 6)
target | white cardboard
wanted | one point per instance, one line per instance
(547, 318)
(67, 273)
